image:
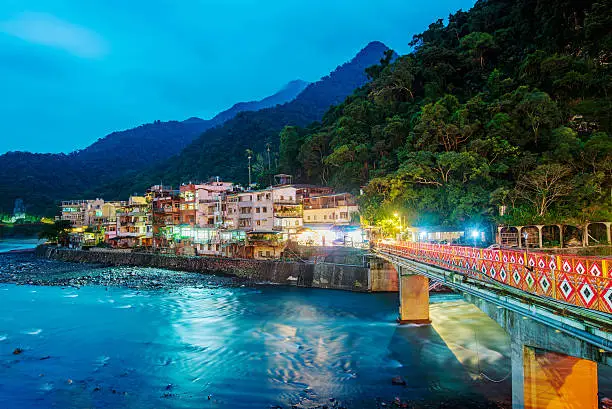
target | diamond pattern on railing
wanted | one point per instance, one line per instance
(595, 270)
(587, 293)
(544, 283)
(607, 298)
(502, 274)
(581, 281)
(516, 277)
(567, 267)
(566, 288)
(529, 279)
(531, 261)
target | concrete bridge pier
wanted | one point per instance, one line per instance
(414, 299)
(545, 379)
(550, 369)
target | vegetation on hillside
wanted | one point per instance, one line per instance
(508, 104)
(221, 151)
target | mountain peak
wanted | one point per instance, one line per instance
(374, 47)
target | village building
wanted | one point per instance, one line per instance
(134, 226)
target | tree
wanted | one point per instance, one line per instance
(290, 144)
(545, 186)
(56, 232)
(479, 44)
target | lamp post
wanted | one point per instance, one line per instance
(249, 187)
(396, 214)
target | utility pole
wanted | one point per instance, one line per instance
(269, 165)
(249, 153)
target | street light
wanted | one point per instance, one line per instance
(396, 214)
(475, 233)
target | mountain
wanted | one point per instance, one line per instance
(288, 93)
(221, 151)
(42, 179)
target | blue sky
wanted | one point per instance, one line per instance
(72, 71)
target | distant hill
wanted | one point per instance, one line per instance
(42, 179)
(221, 151)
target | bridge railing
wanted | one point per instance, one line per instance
(581, 281)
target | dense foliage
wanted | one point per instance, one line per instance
(507, 104)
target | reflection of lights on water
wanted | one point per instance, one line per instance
(475, 344)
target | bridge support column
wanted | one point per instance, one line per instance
(414, 299)
(543, 379)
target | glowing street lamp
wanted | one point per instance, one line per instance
(475, 233)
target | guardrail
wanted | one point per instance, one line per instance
(581, 281)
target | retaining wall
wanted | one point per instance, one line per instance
(320, 275)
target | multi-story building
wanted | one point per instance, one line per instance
(134, 226)
(210, 203)
(336, 209)
(288, 210)
(81, 213)
(165, 213)
(188, 205)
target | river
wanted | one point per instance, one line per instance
(18, 244)
(219, 344)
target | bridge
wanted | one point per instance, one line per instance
(557, 310)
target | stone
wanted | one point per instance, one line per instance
(398, 380)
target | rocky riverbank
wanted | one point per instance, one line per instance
(27, 269)
(320, 275)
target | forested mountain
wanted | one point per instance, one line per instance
(221, 151)
(508, 104)
(42, 179)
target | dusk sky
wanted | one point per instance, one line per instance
(72, 71)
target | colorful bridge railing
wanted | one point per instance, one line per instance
(581, 281)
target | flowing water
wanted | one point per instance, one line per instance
(242, 347)
(219, 345)
(18, 244)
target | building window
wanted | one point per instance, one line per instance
(264, 210)
(268, 253)
(297, 222)
(324, 217)
(308, 217)
(257, 210)
(261, 253)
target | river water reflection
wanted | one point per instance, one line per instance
(243, 347)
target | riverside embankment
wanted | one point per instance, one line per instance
(315, 275)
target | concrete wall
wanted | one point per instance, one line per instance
(383, 276)
(320, 275)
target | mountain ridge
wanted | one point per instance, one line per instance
(219, 151)
(43, 179)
